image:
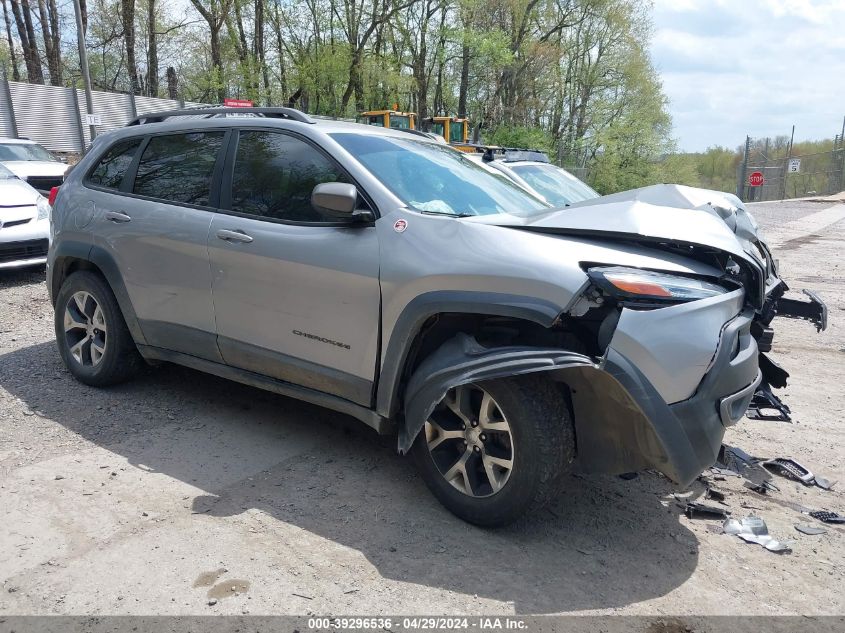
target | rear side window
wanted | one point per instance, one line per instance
(112, 167)
(178, 167)
(274, 175)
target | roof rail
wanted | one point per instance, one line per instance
(212, 112)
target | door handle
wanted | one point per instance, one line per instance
(234, 236)
(117, 216)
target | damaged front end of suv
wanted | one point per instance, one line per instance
(656, 358)
(732, 211)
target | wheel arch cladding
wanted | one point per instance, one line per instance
(410, 323)
(621, 422)
(463, 360)
(73, 256)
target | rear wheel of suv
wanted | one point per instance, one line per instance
(93, 339)
(494, 451)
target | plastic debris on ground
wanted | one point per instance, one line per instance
(715, 494)
(695, 510)
(735, 461)
(812, 530)
(791, 469)
(827, 517)
(754, 530)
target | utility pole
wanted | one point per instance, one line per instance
(786, 163)
(740, 185)
(83, 63)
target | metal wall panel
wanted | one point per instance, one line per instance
(46, 114)
(145, 105)
(55, 116)
(114, 109)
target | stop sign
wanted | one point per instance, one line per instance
(756, 179)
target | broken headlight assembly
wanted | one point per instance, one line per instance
(645, 287)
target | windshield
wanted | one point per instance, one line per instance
(24, 151)
(557, 186)
(5, 174)
(435, 178)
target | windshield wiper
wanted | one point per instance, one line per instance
(446, 213)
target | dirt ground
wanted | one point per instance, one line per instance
(182, 493)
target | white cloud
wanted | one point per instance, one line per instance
(752, 67)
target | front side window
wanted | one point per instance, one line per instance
(112, 167)
(274, 175)
(436, 178)
(179, 167)
(25, 151)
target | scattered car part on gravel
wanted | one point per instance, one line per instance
(753, 529)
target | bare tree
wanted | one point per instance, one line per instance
(172, 83)
(52, 43)
(26, 34)
(127, 15)
(13, 56)
(152, 50)
(215, 16)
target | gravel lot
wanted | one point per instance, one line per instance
(182, 493)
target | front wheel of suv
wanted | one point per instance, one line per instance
(494, 451)
(92, 336)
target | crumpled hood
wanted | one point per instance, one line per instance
(725, 206)
(26, 168)
(628, 219)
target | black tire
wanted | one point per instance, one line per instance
(542, 453)
(120, 359)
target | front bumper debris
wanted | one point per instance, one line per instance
(814, 310)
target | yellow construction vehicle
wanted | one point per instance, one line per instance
(454, 129)
(389, 118)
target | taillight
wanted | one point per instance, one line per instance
(51, 199)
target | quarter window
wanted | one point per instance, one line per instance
(274, 175)
(112, 167)
(179, 167)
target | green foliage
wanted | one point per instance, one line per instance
(520, 136)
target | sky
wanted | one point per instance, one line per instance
(756, 67)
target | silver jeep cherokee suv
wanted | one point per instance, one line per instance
(382, 274)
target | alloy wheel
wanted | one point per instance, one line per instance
(86, 333)
(470, 441)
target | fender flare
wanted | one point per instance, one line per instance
(463, 360)
(426, 305)
(103, 260)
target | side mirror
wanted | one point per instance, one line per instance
(335, 198)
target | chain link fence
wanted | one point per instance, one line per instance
(789, 175)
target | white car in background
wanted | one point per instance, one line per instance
(31, 162)
(532, 171)
(24, 223)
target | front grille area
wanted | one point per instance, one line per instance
(44, 183)
(16, 251)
